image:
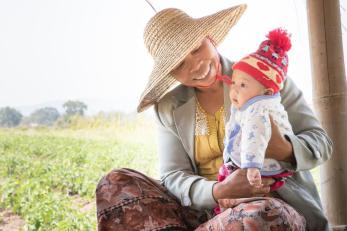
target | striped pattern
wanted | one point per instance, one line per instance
(170, 36)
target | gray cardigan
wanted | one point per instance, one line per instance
(178, 171)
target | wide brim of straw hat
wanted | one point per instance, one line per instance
(170, 47)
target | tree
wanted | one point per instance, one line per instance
(74, 108)
(44, 116)
(9, 117)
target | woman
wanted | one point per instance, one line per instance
(191, 106)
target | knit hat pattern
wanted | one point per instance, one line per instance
(269, 64)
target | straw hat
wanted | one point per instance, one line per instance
(170, 36)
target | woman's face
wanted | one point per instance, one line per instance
(200, 66)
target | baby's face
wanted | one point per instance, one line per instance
(244, 87)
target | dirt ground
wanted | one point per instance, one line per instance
(10, 221)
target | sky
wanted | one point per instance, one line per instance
(54, 51)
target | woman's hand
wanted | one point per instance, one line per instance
(236, 185)
(279, 148)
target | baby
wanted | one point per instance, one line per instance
(255, 97)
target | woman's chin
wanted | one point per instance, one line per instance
(207, 82)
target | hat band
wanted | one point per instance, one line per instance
(258, 75)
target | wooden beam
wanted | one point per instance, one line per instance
(330, 101)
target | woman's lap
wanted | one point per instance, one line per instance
(256, 213)
(129, 200)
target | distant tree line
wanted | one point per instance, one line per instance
(10, 117)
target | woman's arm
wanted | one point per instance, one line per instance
(177, 171)
(236, 185)
(310, 145)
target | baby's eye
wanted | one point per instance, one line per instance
(232, 82)
(243, 85)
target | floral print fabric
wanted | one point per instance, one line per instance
(128, 200)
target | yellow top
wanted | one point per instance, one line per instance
(209, 135)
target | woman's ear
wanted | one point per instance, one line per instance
(269, 91)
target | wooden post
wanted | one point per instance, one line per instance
(330, 101)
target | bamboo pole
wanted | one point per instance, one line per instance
(330, 101)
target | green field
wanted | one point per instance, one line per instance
(48, 175)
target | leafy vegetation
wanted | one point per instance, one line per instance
(48, 175)
(74, 108)
(45, 116)
(9, 117)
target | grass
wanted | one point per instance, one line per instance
(48, 176)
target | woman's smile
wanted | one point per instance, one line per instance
(205, 71)
(207, 76)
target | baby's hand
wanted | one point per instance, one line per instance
(254, 177)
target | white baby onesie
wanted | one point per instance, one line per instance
(249, 130)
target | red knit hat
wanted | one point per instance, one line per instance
(269, 63)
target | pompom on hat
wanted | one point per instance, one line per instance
(170, 35)
(269, 64)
